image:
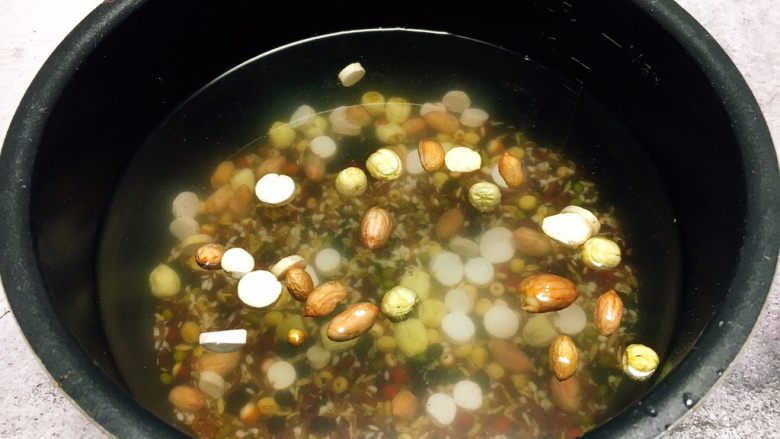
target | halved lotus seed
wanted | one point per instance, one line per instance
(223, 341)
(315, 279)
(280, 268)
(595, 225)
(237, 262)
(259, 289)
(351, 74)
(462, 159)
(497, 178)
(275, 189)
(191, 244)
(570, 229)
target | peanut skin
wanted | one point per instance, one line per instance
(431, 155)
(352, 322)
(546, 292)
(324, 299)
(607, 312)
(375, 228)
(511, 171)
(299, 283)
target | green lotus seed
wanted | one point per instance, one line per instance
(432, 312)
(419, 281)
(164, 282)
(384, 165)
(639, 362)
(484, 196)
(411, 337)
(351, 182)
(399, 302)
(600, 253)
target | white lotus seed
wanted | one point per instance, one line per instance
(328, 261)
(183, 227)
(185, 204)
(497, 245)
(447, 268)
(456, 100)
(351, 74)
(302, 116)
(473, 117)
(323, 146)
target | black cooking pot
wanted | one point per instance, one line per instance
(129, 64)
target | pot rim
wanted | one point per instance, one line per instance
(102, 400)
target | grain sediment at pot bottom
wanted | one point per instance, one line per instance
(400, 270)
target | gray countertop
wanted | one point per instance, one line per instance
(745, 402)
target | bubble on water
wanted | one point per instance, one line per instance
(720, 372)
(688, 400)
(652, 412)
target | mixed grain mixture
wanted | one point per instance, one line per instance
(396, 270)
